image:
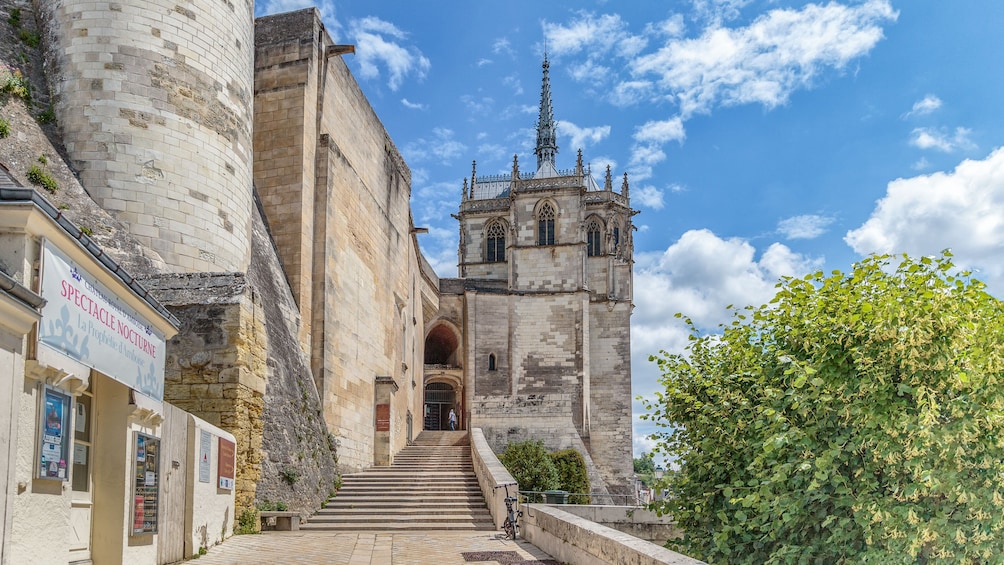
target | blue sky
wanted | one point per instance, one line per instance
(761, 138)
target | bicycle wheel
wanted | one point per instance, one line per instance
(509, 528)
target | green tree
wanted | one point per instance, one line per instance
(644, 464)
(530, 465)
(858, 418)
(572, 475)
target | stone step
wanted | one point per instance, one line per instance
(416, 525)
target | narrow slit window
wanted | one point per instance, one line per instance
(491, 362)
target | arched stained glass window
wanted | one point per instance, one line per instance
(545, 225)
(593, 239)
(495, 243)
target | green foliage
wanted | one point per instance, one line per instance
(290, 475)
(248, 522)
(12, 82)
(856, 419)
(46, 116)
(4, 127)
(30, 38)
(38, 177)
(269, 506)
(644, 468)
(530, 465)
(572, 474)
(15, 18)
(86, 231)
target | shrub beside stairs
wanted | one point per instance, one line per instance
(430, 486)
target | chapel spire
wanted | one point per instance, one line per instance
(547, 137)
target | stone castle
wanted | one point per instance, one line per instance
(236, 168)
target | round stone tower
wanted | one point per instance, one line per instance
(153, 99)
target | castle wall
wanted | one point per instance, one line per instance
(153, 99)
(334, 168)
(610, 438)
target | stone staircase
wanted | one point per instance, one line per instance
(430, 486)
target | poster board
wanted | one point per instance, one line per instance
(146, 483)
(225, 464)
(54, 435)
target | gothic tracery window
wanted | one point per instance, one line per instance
(545, 225)
(495, 243)
(593, 239)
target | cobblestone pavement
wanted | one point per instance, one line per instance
(372, 548)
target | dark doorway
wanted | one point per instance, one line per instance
(439, 398)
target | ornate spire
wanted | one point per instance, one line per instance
(578, 164)
(608, 181)
(474, 176)
(464, 191)
(624, 187)
(547, 137)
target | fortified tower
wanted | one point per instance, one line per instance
(534, 337)
(153, 98)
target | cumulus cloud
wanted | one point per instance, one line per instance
(649, 197)
(717, 11)
(782, 51)
(961, 209)
(924, 107)
(378, 44)
(661, 131)
(440, 147)
(808, 226)
(413, 105)
(597, 35)
(941, 139)
(581, 137)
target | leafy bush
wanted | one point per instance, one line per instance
(269, 506)
(38, 177)
(30, 38)
(4, 127)
(12, 82)
(248, 522)
(530, 465)
(15, 18)
(572, 474)
(856, 419)
(46, 116)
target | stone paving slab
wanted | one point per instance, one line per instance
(372, 548)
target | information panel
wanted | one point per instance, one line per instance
(55, 438)
(225, 464)
(146, 483)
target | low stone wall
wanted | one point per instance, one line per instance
(493, 478)
(571, 539)
(636, 521)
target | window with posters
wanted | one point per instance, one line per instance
(54, 443)
(146, 483)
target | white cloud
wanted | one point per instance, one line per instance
(962, 210)
(598, 35)
(941, 140)
(377, 44)
(482, 62)
(630, 92)
(923, 107)
(649, 197)
(922, 164)
(512, 81)
(413, 105)
(808, 226)
(478, 106)
(672, 26)
(589, 71)
(441, 147)
(661, 131)
(501, 46)
(581, 137)
(325, 7)
(717, 11)
(780, 52)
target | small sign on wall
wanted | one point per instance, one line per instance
(205, 453)
(225, 464)
(383, 417)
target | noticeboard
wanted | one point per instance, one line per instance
(146, 484)
(225, 464)
(54, 431)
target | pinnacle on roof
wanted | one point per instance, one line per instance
(547, 136)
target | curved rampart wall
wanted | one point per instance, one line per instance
(153, 99)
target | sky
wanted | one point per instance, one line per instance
(761, 138)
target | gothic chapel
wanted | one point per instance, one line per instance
(533, 340)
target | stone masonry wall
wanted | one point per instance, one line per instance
(610, 393)
(153, 98)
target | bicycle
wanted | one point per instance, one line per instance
(511, 524)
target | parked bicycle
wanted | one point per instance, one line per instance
(513, 514)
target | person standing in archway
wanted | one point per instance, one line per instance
(453, 420)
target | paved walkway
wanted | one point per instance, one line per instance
(372, 548)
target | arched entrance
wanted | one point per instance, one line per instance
(439, 398)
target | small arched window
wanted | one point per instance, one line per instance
(617, 236)
(593, 239)
(545, 225)
(495, 243)
(491, 362)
